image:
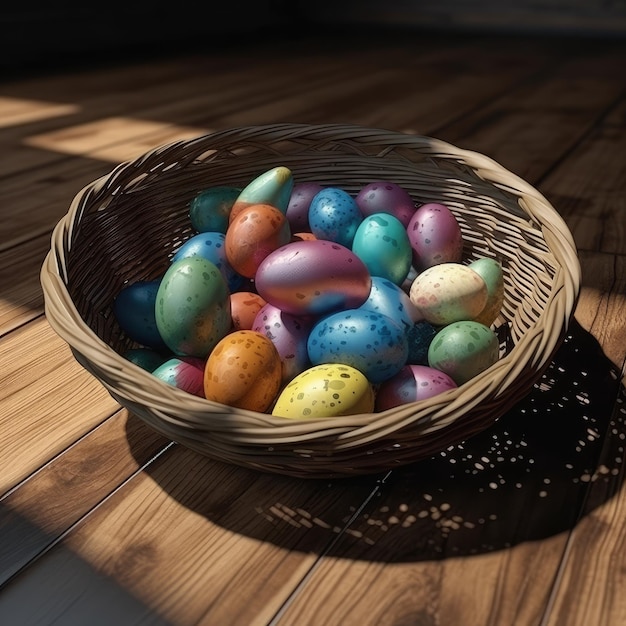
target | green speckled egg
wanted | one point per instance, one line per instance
(463, 350)
(490, 271)
(192, 308)
(326, 390)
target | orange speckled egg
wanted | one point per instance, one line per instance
(302, 236)
(244, 305)
(244, 370)
(252, 235)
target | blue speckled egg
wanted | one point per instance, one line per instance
(133, 308)
(210, 245)
(388, 299)
(463, 350)
(192, 308)
(382, 243)
(210, 209)
(373, 343)
(334, 216)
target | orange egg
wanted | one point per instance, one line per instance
(302, 236)
(244, 370)
(254, 233)
(244, 305)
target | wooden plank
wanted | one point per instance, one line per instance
(33, 516)
(48, 400)
(219, 532)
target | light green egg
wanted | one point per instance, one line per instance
(192, 307)
(463, 350)
(272, 187)
(490, 271)
(326, 390)
(382, 243)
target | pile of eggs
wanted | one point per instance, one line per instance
(301, 300)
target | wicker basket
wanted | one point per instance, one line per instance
(123, 227)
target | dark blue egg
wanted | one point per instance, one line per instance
(420, 336)
(134, 310)
(335, 216)
(211, 247)
(373, 343)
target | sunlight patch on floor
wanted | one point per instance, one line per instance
(16, 111)
(114, 139)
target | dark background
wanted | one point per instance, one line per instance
(36, 33)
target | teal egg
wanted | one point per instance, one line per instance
(192, 308)
(463, 350)
(145, 358)
(382, 243)
(210, 210)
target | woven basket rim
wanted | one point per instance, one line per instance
(135, 386)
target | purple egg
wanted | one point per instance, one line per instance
(298, 207)
(312, 278)
(384, 196)
(289, 334)
(411, 384)
(435, 236)
(184, 372)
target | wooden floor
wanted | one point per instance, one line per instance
(104, 522)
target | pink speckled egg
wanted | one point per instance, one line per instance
(435, 236)
(313, 277)
(411, 384)
(289, 333)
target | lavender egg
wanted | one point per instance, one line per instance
(335, 216)
(313, 277)
(435, 236)
(411, 384)
(383, 196)
(370, 342)
(289, 334)
(299, 203)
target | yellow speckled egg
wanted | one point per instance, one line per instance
(326, 390)
(244, 370)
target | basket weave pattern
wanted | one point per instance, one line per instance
(125, 226)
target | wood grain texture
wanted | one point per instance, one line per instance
(104, 522)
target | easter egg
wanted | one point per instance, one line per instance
(145, 358)
(313, 278)
(244, 306)
(412, 384)
(463, 350)
(209, 211)
(289, 333)
(192, 307)
(490, 271)
(255, 232)
(382, 243)
(374, 344)
(334, 216)
(184, 372)
(243, 371)
(384, 196)
(299, 203)
(388, 299)
(272, 187)
(211, 246)
(448, 292)
(326, 390)
(435, 236)
(133, 308)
